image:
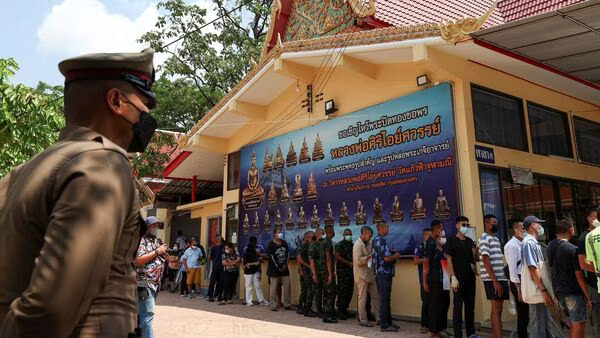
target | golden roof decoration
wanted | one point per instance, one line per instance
(274, 14)
(358, 7)
(455, 31)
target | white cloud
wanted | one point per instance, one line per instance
(75, 27)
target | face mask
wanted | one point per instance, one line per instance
(280, 235)
(464, 230)
(596, 223)
(348, 237)
(175, 248)
(227, 251)
(443, 234)
(324, 236)
(143, 131)
(541, 231)
(495, 228)
(443, 240)
(153, 231)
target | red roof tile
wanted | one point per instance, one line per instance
(411, 12)
(512, 10)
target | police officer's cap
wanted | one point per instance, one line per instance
(134, 68)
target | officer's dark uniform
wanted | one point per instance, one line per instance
(345, 276)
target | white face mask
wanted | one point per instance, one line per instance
(596, 223)
(443, 240)
(443, 234)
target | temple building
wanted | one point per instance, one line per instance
(508, 91)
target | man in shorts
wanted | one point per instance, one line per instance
(191, 262)
(568, 281)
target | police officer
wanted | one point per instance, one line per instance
(304, 272)
(345, 275)
(327, 275)
(314, 257)
(71, 212)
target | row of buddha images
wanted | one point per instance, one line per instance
(291, 158)
(418, 212)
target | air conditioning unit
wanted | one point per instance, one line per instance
(232, 211)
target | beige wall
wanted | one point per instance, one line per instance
(353, 91)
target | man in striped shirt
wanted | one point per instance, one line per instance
(492, 272)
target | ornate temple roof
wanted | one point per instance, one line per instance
(410, 12)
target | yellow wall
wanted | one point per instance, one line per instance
(353, 91)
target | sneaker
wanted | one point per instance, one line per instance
(230, 301)
(424, 330)
(264, 303)
(300, 311)
(365, 324)
(190, 296)
(222, 302)
(250, 304)
(210, 299)
(274, 309)
(395, 326)
(201, 297)
(389, 329)
(182, 295)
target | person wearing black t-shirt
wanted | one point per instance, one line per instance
(433, 275)
(460, 251)
(588, 269)
(279, 255)
(215, 286)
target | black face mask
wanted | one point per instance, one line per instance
(495, 228)
(143, 131)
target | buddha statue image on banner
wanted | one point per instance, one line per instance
(278, 221)
(272, 195)
(246, 224)
(442, 209)
(279, 163)
(418, 211)
(289, 222)
(396, 214)
(377, 209)
(253, 195)
(344, 218)
(318, 154)
(304, 155)
(311, 190)
(315, 221)
(329, 217)
(268, 161)
(291, 159)
(298, 194)
(267, 222)
(301, 218)
(256, 224)
(360, 218)
(285, 194)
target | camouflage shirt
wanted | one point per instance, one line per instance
(344, 249)
(302, 251)
(314, 252)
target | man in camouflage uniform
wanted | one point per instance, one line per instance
(345, 275)
(314, 254)
(304, 273)
(327, 276)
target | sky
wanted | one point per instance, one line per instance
(38, 34)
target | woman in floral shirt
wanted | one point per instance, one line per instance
(231, 271)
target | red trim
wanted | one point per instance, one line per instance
(91, 73)
(194, 188)
(535, 63)
(281, 20)
(175, 163)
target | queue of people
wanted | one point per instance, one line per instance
(329, 272)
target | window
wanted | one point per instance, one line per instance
(549, 131)
(498, 119)
(233, 171)
(587, 136)
(492, 199)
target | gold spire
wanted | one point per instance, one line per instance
(358, 7)
(455, 31)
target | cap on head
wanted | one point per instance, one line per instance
(529, 220)
(134, 68)
(151, 220)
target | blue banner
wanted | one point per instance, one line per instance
(393, 162)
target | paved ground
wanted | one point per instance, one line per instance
(177, 316)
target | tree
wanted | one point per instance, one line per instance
(30, 118)
(151, 163)
(180, 104)
(213, 60)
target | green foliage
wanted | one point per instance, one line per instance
(180, 104)
(212, 61)
(30, 118)
(152, 162)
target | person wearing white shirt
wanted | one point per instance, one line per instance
(513, 256)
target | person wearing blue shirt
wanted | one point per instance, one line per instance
(191, 263)
(419, 258)
(384, 263)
